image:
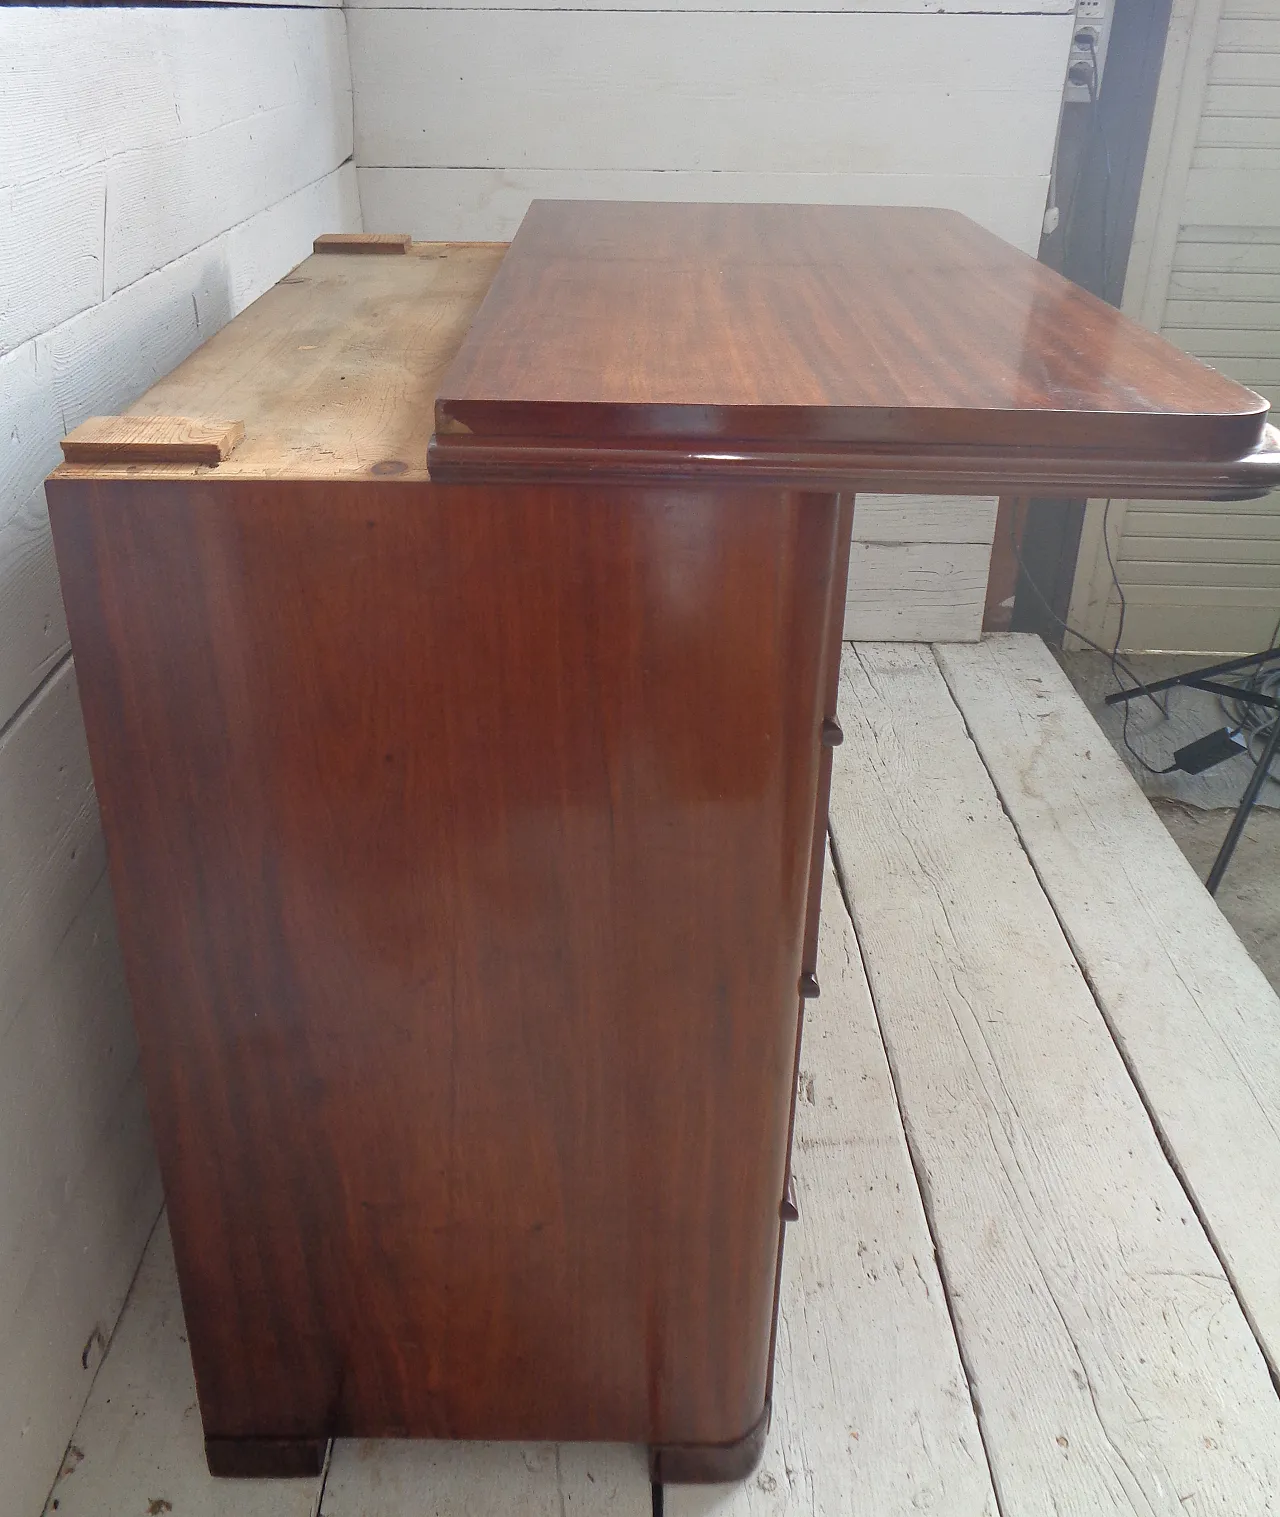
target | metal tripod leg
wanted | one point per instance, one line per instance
(1252, 790)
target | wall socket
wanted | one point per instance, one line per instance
(1088, 50)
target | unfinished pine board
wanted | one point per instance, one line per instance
(871, 1412)
(815, 92)
(362, 242)
(1193, 1014)
(151, 439)
(138, 1447)
(369, 1478)
(333, 370)
(1113, 1369)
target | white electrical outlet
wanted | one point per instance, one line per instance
(1088, 51)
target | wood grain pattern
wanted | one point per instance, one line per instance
(334, 369)
(475, 871)
(872, 1410)
(1190, 1010)
(467, 988)
(362, 242)
(151, 439)
(814, 328)
(1114, 1368)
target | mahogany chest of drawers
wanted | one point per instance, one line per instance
(465, 794)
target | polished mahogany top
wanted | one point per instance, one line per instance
(810, 332)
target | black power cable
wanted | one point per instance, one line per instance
(1112, 655)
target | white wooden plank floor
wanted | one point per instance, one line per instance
(1036, 1154)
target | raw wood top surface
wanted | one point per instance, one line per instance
(808, 325)
(333, 371)
(836, 346)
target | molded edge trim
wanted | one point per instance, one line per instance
(458, 459)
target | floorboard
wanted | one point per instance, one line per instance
(1197, 1022)
(138, 1450)
(389, 1479)
(872, 1416)
(1112, 1366)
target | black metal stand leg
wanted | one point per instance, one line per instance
(1252, 790)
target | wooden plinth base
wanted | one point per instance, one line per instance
(669, 1463)
(265, 1458)
(709, 1463)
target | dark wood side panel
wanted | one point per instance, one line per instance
(460, 842)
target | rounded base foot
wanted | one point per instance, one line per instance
(709, 1463)
(265, 1458)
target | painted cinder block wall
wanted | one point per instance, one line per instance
(159, 168)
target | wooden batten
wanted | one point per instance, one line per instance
(362, 242)
(151, 440)
(333, 370)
